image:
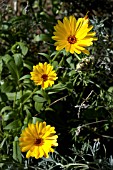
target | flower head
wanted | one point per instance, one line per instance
(44, 75)
(73, 35)
(38, 140)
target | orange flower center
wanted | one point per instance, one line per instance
(45, 77)
(72, 39)
(38, 141)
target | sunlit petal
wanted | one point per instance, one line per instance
(43, 142)
(42, 74)
(70, 33)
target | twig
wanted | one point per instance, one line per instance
(82, 104)
(94, 123)
(79, 127)
(58, 100)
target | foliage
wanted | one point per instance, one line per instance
(79, 104)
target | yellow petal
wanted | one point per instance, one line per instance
(72, 20)
(86, 52)
(28, 154)
(26, 148)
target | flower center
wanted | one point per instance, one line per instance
(72, 39)
(38, 141)
(45, 77)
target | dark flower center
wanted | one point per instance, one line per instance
(72, 39)
(38, 141)
(45, 77)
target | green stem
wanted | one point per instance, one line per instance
(77, 56)
(61, 61)
(21, 104)
(30, 95)
(14, 99)
(56, 56)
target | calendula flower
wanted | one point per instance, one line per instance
(38, 140)
(44, 75)
(74, 35)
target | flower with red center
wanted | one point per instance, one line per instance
(43, 74)
(37, 140)
(74, 35)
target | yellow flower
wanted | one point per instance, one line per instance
(38, 140)
(44, 75)
(73, 35)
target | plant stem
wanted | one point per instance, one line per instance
(78, 165)
(56, 56)
(77, 56)
(60, 64)
(94, 123)
(30, 95)
(21, 104)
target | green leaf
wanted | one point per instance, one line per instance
(70, 62)
(49, 109)
(6, 86)
(56, 88)
(55, 64)
(3, 142)
(19, 47)
(72, 72)
(25, 96)
(38, 106)
(13, 95)
(16, 150)
(28, 64)
(46, 96)
(25, 77)
(110, 89)
(39, 99)
(13, 69)
(1, 66)
(8, 115)
(10, 63)
(6, 108)
(6, 58)
(41, 37)
(18, 60)
(40, 92)
(45, 55)
(23, 48)
(13, 125)
(28, 117)
(36, 119)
